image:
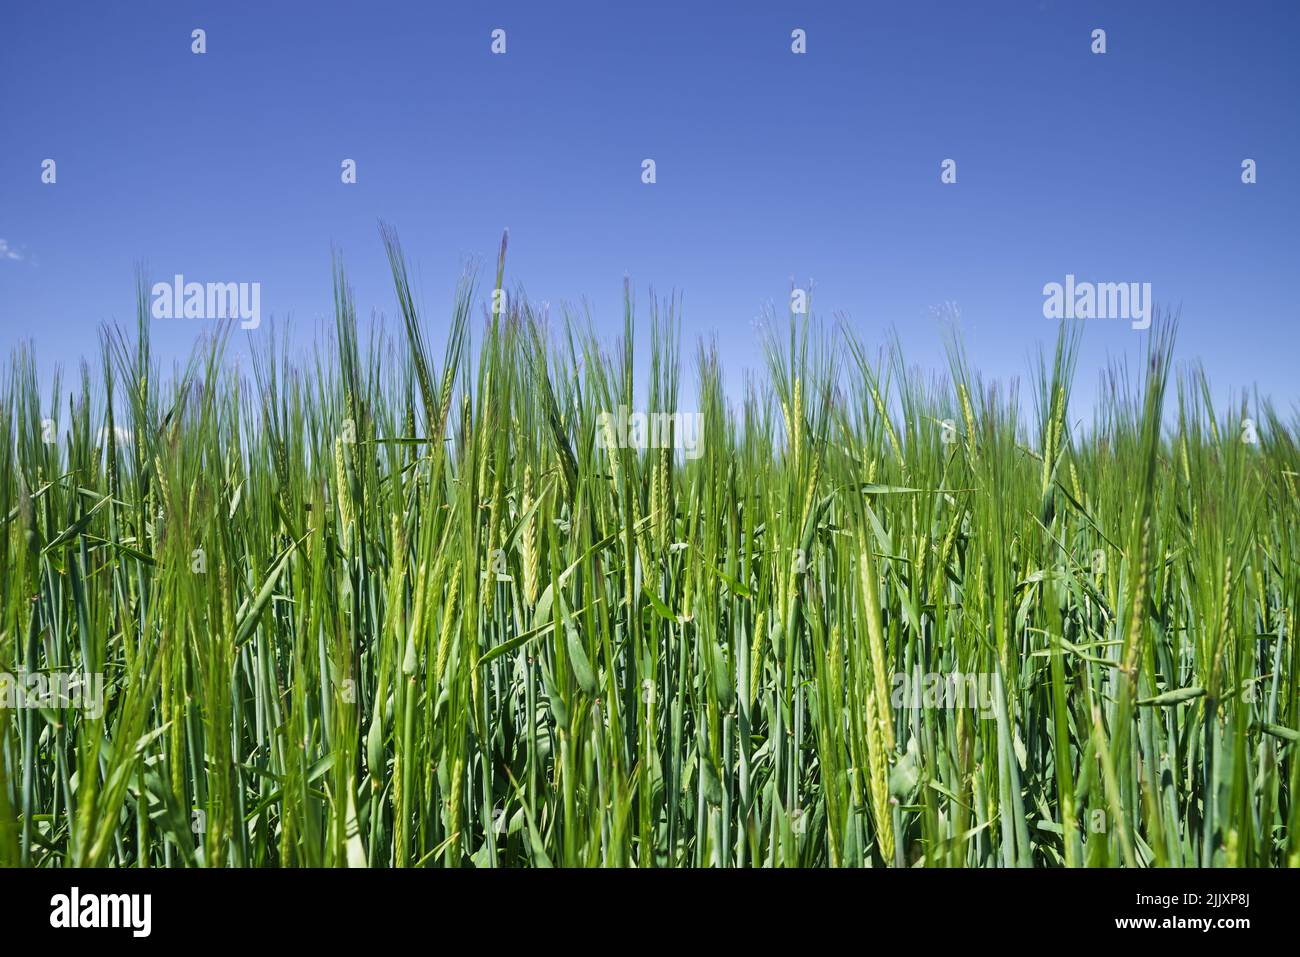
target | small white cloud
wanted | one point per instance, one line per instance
(8, 252)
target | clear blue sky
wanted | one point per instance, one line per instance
(225, 166)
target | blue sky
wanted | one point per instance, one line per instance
(225, 166)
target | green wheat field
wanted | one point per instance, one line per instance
(414, 604)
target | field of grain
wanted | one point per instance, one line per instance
(426, 603)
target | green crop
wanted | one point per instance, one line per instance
(386, 607)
